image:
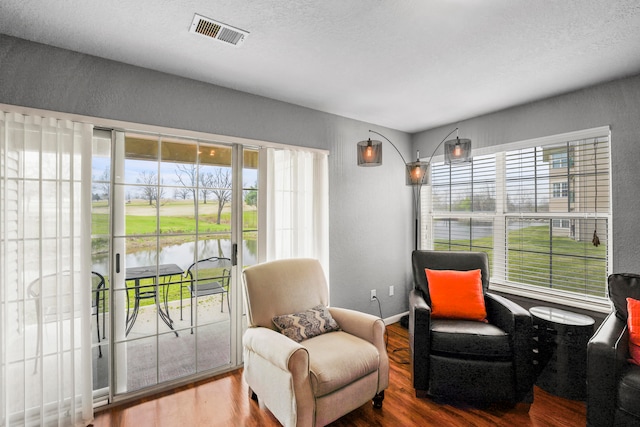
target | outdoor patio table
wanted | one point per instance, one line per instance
(151, 290)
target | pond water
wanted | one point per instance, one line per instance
(441, 230)
(182, 254)
(461, 229)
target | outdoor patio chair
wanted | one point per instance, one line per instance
(210, 276)
(98, 300)
(43, 293)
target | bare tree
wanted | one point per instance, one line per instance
(105, 185)
(182, 193)
(188, 176)
(220, 185)
(206, 184)
(150, 190)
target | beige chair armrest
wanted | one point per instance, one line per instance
(278, 373)
(370, 328)
(271, 345)
(362, 325)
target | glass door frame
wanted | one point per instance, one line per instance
(117, 226)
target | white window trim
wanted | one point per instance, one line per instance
(497, 282)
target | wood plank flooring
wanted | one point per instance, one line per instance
(224, 401)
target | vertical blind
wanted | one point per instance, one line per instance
(45, 279)
(540, 210)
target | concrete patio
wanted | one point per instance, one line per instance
(154, 354)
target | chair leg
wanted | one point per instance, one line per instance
(180, 302)
(104, 306)
(377, 399)
(39, 338)
(191, 308)
(523, 407)
(252, 395)
(98, 328)
(421, 394)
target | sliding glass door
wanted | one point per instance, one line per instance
(100, 262)
(166, 217)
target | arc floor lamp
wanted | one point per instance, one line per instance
(455, 151)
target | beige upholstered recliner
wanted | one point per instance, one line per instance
(317, 380)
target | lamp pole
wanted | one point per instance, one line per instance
(417, 187)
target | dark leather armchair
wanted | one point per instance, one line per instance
(613, 384)
(470, 361)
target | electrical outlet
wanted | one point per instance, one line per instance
(391, 290)
(373, 294)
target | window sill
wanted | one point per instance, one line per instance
(600, 305)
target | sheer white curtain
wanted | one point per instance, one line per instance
(45, 277)
(297, 211)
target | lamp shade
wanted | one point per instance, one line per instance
(369, 153)
(457, 150)
(417, 172)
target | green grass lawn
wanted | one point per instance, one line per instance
(529, 264)
(175, 217)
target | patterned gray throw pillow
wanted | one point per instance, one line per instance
(307, 324)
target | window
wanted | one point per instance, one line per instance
(540, 209)
(559, 160)
(560, 223)
(560, 189)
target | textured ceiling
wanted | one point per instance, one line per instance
(407, 65)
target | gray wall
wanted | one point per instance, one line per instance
(616, 104)
(371, 228)
(371, 233)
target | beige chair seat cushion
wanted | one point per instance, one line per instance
(338, 359)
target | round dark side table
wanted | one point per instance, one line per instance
(561, 357)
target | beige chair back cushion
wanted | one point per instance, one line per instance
(283, 287)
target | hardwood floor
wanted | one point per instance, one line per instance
(224, 401)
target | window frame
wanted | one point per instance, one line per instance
(560, 190)
(559, 161)
(497, 281)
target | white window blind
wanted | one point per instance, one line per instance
(468, 192)
(540, 209)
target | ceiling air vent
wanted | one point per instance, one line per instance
(217, 30)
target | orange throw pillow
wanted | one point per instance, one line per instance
(456, 294)
(633, 324)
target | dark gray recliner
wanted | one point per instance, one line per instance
(461, 360)
(613, 384)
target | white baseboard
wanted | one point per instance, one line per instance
(394, 318)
